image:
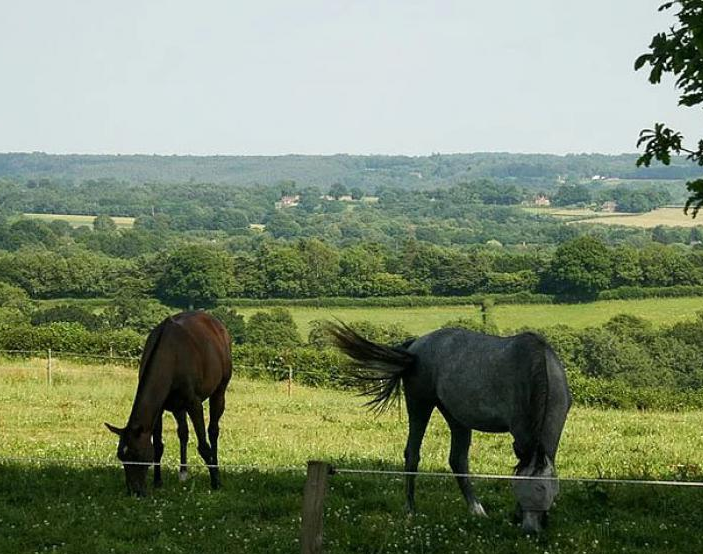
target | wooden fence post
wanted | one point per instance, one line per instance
(290, 381)
(48, 367)
(313, 507)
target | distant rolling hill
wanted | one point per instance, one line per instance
(364, 171)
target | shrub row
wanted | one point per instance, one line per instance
(631, 293)
(621, 293)
(590, 355)
(71, 337)
(390, 301)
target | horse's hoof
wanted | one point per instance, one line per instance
(214, 485)
(477, 510)
(183, 476)
(409, 510)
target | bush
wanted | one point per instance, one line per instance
(14, 297)
(629, 293)
(140, 314)
(510, 283)
(70, 337)
(389, 334)
(392, 301)
(69, 314)
(233, 321)
(310, 366)
(273, 328)
(479, 326)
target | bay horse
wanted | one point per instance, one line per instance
(492, 384)
(186, 360)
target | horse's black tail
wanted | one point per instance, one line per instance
(378, 368)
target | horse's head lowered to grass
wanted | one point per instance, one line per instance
(535, 495)
(136, 453)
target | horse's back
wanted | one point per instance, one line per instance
(482, 380)
(194, 352)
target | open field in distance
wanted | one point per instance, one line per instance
(77, 220)
(83, 508)
(670, 217)
(420, 320)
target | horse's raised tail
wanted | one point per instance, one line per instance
(376, 367)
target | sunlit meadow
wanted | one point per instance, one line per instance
(267, 437)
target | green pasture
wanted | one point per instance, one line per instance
(420, 320)
(77, 220)
(82, 507)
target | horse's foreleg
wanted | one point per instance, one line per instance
(158, 449)
(182, 426)
(195, 411)
(459, 462)
(418, 418)
(217, 408)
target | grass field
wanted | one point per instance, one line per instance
(508, 316)
(83, 508)
(78, 220)
(670, 217)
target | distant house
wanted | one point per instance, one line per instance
(609, 206)
(417, 174)
(287, 202)
(346, 198)
(542, 201)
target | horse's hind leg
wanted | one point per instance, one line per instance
(182, 426)
(418, 418)
(195, 411)
(217, 408)
(158, 449)
(459, 462)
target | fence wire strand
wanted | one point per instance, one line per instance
(351, 471)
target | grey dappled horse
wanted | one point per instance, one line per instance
(492, 384)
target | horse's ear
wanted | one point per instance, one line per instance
(114, 429)
(548, 466)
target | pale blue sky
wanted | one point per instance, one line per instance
(326, 76)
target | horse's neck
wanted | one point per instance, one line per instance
(149, 400)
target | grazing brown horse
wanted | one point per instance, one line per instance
(186, 360)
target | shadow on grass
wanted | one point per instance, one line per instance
(70, 509)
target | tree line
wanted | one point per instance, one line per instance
(198, 275)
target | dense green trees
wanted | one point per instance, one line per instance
(195, 277)
(581, 267)
(104, 224)
(201, 273)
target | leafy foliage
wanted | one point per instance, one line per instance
(195, 276)
(273, 328)
(679, 52)
(233, 321)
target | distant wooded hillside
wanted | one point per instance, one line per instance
(366, 172)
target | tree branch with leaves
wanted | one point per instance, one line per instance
(678, 52)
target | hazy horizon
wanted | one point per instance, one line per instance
(314, 78)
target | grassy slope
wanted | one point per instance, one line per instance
(421, 320)
(83, 509)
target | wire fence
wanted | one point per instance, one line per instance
(286, 373)
(92, 462)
